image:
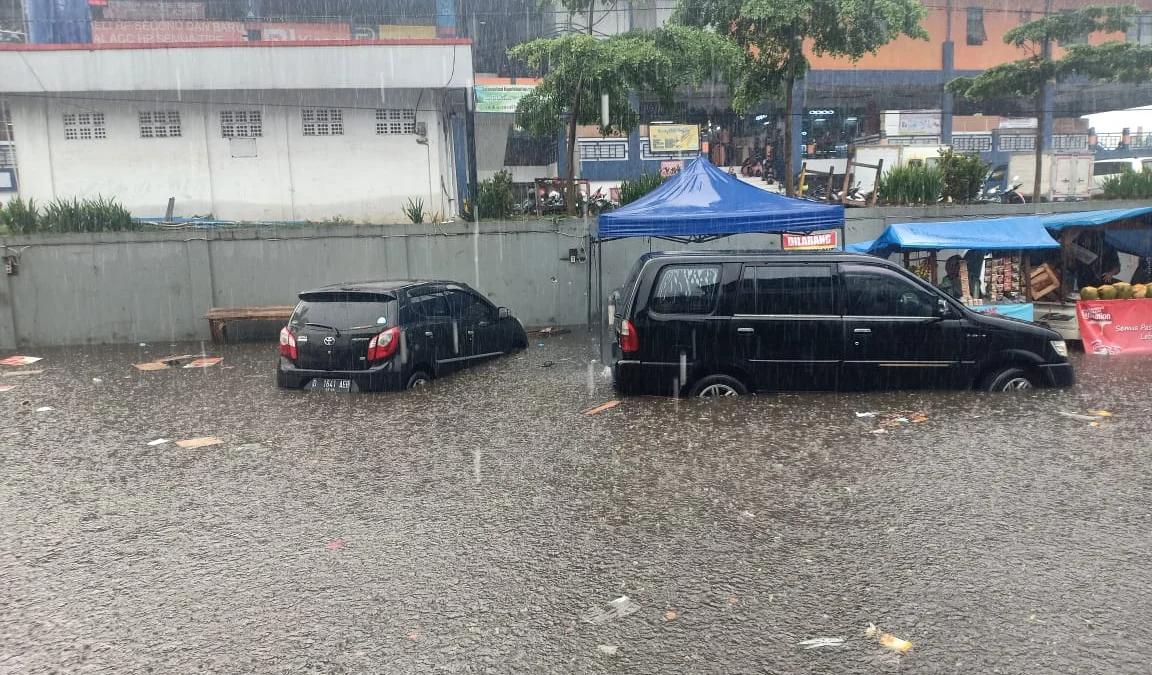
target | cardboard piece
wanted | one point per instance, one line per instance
(205, 362)
(202, 442)
(154, 365)
(20, 360)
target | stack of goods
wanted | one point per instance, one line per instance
(922, 269)
(1003, 278)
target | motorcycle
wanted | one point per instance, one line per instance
(549, 203)
(753, 167)
(1012, 194)
(598, 203)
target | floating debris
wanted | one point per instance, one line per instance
(887, 640)
(202, 442)
(616, 609)
(817, 643)
(601, 408)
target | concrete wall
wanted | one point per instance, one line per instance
(154, 287)
(359, 174)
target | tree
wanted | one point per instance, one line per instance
(1029, 77)
(774, 35)
(577, 69)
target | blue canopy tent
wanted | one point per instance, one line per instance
(701, 203)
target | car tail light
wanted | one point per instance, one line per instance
(629, 340)
(287, 343)
(384, 344)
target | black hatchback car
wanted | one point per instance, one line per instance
(378, 335)
(712, 323)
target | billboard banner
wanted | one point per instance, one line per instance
(1115, 326)
(500, 98)
(161, 32)
(674, 137)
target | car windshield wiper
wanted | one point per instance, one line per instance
(321, 325)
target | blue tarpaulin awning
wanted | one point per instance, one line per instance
(1059, 221)
(994, 234)
(703, 202)
(1134, 242)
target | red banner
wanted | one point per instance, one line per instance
(816, 241)
(1115, 326)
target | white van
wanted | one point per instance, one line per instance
(1104, 169)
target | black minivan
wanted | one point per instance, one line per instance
(712, 323)
(390, 335)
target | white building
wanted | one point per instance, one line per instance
(263, 131)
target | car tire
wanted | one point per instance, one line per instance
(418, 379)
(717, 385)
(1012, 378)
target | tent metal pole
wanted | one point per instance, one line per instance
(600, 302)
(591, 258)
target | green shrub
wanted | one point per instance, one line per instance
(414, 209)
(912, 185)
(496, 199)
(1129, 185)
(631, 190)
(67, 215)
(20, 217)
(963, 175)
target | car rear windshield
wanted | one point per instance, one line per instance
(345, 311)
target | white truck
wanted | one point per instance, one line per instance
(1065, 178)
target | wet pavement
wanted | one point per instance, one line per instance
(475, 527)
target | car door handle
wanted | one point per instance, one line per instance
(862, 331)
(428, 333)
(745, 330)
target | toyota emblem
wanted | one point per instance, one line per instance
(329, 340)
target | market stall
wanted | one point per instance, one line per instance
(1000, 246)
(1109, 318)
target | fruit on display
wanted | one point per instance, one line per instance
(1089, 293)
(1123, 290)
(1139, 291)
(1107, 292)
(923, 270)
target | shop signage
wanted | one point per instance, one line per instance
(161, 32)
(828, 240)
(919, 123)
(673, 137)
(1024, 310)
(500, 98)
(1115, 326)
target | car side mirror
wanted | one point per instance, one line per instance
(504, 312)
(943, 310)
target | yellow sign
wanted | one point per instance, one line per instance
(674, 137)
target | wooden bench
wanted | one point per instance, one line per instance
(218, 317)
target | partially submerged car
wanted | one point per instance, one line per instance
(390, 335)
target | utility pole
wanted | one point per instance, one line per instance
(1042, 114)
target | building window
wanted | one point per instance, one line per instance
(976, 34)
(84, 126)
(241, 124)
(395, 121)
(160, 124)
(323, 121)
(1140, 31)
(602, 150)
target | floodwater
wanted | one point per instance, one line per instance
(469, 528)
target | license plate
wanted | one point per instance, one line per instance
(325, 384)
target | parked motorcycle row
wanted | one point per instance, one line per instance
(553, 203)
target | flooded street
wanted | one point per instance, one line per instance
(477, 526)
